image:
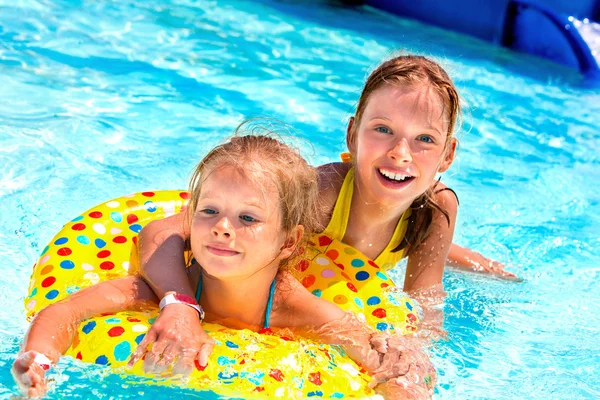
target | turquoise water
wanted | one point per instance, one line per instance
(100, 99)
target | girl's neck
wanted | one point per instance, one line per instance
(238, 303)
(371, 225)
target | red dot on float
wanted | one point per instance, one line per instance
(134, 240)
(384, 285)
(79, 356)
(64, 251)
(148, 194)
(116, 331)
(379, 313)
(308, 281)
(49, 281)
(184, 195)
(107, 266)
(78, 227)
(302, 265)
(119, 239)
(371, 263)
(95, 214)
(352, 287)
(131, 319)
(131, 218)
(103, 254)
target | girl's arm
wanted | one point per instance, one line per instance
(177, 332)
(470, 260)
(53, 329)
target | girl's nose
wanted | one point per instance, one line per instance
(223, 228)
(400, 151)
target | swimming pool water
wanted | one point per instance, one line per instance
(100, 99)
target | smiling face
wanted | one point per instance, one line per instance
(399, 144)
(236, 229)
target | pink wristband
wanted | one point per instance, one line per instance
(43, 361)
(177, 298)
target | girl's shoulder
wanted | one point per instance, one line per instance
(331, 178)
(295, 307)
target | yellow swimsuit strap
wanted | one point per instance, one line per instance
(336, 229)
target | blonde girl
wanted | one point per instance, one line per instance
(253, 203)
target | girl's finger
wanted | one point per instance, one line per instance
(141, 349)
(205, 351)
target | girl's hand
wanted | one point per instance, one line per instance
(405, 369)
(177, 339)
(29, 375)
(483, 264)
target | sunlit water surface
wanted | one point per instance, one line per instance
(103, 98)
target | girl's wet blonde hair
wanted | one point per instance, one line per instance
(262, 158)
(412, 71)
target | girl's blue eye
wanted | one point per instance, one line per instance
(426, 139)
(208, 211)
(383, 129)
(247, 218)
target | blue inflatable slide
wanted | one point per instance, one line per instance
(564, 31)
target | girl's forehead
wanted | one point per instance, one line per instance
(420, 101)
(248, 181)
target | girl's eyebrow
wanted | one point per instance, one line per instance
(250, 202)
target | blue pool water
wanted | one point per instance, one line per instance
(102, 98)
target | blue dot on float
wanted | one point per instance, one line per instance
(316, 393)
(113, 321)
(359, 302)
(139, 338)
(72, 289)
(337, 395)
(223, 360)
(102, 360)
(373, 300)
(362, 276)
(87, 328)
(51, 295)
(409, 306)
(151, 320)
(61, 240)
(381, 276)
(136, 228)
(83, 239)
(317, 292)
(67, 264)
(122, 351)
(382, 326)
(77, 219)
(150, 206)
(116, 216)
(33, 293)
(227, 376)
(357, 263)
(99, 243)
(231, 345)
(45, 250)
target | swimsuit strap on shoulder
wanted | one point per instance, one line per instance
(336, 229)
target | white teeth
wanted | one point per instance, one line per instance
(394, 176)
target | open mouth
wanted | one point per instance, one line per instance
(394, 176)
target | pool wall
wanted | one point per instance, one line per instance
(547, 28)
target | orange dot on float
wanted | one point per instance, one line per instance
(47, 269)
(340, 299)
(332, 254)
(132, 203)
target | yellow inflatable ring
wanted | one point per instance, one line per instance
(97, 245)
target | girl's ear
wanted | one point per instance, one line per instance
(351, 136)
(291, 243)
(449, 156)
